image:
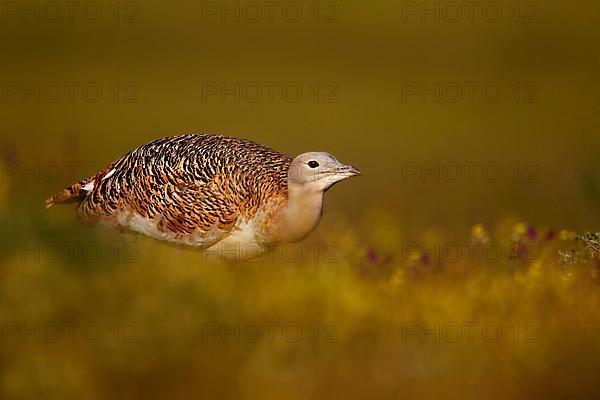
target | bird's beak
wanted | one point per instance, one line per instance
(348, 170)
(339, 173)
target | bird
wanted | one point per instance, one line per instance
(208, 190)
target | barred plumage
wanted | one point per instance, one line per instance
(193, 189)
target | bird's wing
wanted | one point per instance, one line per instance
(179, 197)
(204, 211)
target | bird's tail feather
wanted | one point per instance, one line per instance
(72, 193)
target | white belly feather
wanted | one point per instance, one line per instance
(242, 238)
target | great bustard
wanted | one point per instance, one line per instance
(201, 190)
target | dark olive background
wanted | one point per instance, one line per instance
(368, 54)
(164, 57)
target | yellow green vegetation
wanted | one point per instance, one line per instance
(356, 311)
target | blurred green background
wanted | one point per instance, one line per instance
(363, 69)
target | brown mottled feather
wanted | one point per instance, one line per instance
(190, 184)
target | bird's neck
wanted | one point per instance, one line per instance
(300, 215)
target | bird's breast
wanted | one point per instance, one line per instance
(295, 218)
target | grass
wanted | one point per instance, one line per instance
(390, 262)
(363, 312)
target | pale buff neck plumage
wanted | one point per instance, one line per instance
(300, 215)
(297, 213)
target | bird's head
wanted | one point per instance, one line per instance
(318, 171)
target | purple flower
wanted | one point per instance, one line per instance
(372, 256)
(531, 232)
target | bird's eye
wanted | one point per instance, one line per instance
(313, 164)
